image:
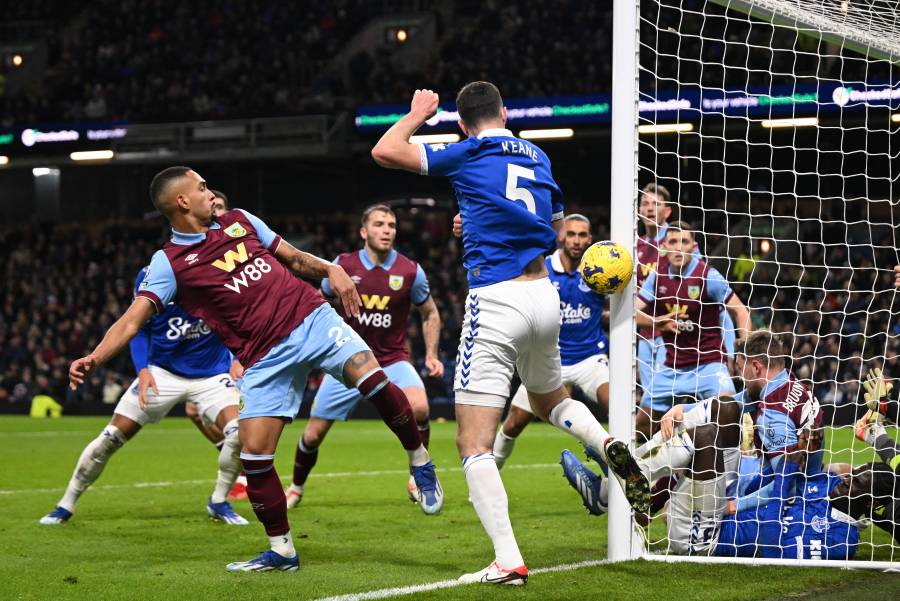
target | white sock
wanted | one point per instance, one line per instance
(418, 457)
(283, 544)
(503, 447)
(90, 465)
(229, 462)
(491, 504)
(576, 419)
(675, 453)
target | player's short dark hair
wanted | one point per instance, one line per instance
(376, 207)
(658, 189)
(162, 180)
(578, 217)
(478, 102)
(680, 226)
(220, 194)
(764, 345)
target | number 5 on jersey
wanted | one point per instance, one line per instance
(514, 191)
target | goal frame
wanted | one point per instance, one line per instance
(625, 539)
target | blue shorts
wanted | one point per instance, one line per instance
(709, 380)
(273, 386)
(336, 402)
(651, 354)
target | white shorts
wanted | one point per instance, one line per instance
(696, 508)
(588, 374)
(508, 326)
(211, 395)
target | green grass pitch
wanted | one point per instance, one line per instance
(142, 531)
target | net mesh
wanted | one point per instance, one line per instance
(785, 168)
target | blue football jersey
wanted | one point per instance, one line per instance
(581, 332)
(806, 526)
(179, 343)
(507, 199)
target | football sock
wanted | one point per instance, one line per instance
(503, 447)
(90, 465)
(229, 462)
(265, 494)
(491, 504)
(673, 454)
(283, 544)
(425, 431)
(576, 419)
(393, 407)
(219, 444)
(304, 460)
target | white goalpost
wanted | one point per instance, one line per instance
(775, 126)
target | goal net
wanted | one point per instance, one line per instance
(769, 129)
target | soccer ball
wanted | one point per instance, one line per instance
(606, 267)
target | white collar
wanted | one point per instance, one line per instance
(496, 132)
(556, 262)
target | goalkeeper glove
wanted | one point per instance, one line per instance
(877, 390)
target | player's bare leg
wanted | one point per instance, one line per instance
(90, 465)
(418, 401)
(576, 419)
(646, 423)
(305, 457)
(212, 432)
(603, 397)
(373, 384)
(505, 441)
(475, 428)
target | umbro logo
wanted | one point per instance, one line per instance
(191, 258)
(355, 279)
(663, 289)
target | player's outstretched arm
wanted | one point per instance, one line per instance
(394, 150)
(310, 266)
(118, 335)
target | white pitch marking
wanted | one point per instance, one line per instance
(170, 483)
(400, 591)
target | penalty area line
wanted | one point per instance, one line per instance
(401, 591)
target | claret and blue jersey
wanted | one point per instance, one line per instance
(507, 200)
(178, 343)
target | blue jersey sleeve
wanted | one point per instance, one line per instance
(442, 159)
(327, 290)
(420, 290)
(648, 289)
(263, 231)
(777, 430)
(717, 287)
(140, 348)
(159, 285)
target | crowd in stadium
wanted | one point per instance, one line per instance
(172, 62)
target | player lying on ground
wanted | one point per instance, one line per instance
(390, 284)
(781, 407)
(511, 209)
(239, 277)
(683, 300)
(178, 359)
(815, 516)
(583, 346)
